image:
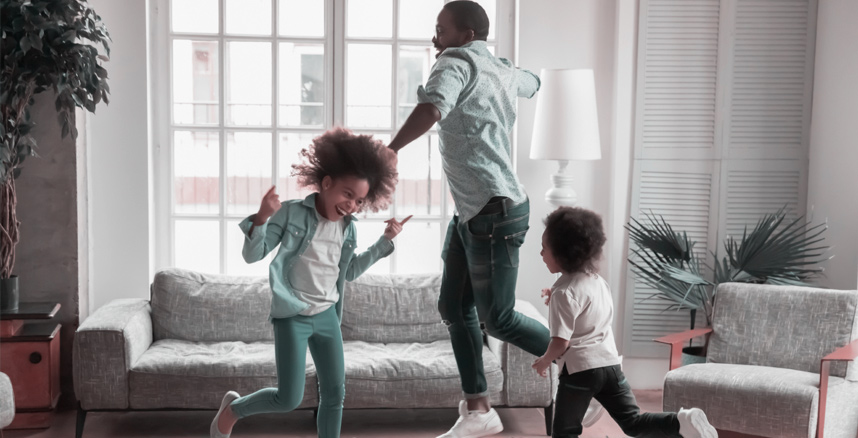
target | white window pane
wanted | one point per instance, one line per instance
(367, 234)
(368, 86)
(195, 82)
(248, 79)
(248, 170)
(194, 16)
(248, 17)
(302, 85)
(302, 18)
(196, 170)
(418, 192)
(491, 10)
(417, 18)
(235, 264)
(369, 18)
(423, 235)
(197, 245)
(291, 145)
(415, 62)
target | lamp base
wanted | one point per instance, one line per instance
(561, 194)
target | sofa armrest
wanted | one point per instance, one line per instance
(848, 352)
(106, 345)
(676, 340)
(522, 386)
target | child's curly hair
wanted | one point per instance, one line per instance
(575, 238)
(338, 153)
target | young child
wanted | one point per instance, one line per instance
(317, 256)
(582, 342)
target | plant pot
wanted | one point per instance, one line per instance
(9, 293)
(692, 355)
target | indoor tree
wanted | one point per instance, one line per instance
(47, 45)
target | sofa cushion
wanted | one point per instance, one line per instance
(191, 306)
(393, 308)
(170, 370)
(756, 400)
(410, 375)
(750, 323)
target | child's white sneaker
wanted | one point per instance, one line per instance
(228, 398)
(693, 424)
(474, 424)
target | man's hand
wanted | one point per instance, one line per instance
(393, 227)
(541, 365)
(546, 293)
(270, 204)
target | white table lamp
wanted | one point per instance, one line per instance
(566, 127)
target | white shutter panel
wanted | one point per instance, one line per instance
(752, 188)
(677, 69)
(682, 192)
(771, 72)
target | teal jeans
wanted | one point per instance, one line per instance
(478, 291)
(292, 335)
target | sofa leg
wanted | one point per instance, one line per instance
(549, 418)
(81, 418)
(315, 413)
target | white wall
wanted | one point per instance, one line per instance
(118, 161)
(832, 177)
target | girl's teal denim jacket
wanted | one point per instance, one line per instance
(293, 228)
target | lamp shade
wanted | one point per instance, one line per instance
(566, 125)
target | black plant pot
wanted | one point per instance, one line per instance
(9, 294)
(692, 355)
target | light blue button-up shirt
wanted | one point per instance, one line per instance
(293, 228)
(475, 92)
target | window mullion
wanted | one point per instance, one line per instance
(222, 100)
(338, 36)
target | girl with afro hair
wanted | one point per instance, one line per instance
(316, 256)
(580, 315)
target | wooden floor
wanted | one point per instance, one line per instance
(377, 423)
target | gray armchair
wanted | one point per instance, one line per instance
(7, 402)
(779, 363)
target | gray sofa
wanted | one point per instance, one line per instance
(201, 335)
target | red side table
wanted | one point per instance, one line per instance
(30, 356)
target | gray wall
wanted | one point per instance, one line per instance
(47, 254)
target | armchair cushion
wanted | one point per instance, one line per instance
(782, 327)
(7, 401)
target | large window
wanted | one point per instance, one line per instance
(251, 82)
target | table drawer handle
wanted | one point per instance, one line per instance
(35, 358)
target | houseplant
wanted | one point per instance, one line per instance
(47, 45)
(775, 251)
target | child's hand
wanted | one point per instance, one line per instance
(541, 366)
(546, 293)
(393, 227)
(270, 204)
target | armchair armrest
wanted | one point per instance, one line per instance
(106, 345)
(848, 352)
(522, 386)
(676, 340)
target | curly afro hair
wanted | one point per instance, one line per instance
(338, 152)
(575, 238)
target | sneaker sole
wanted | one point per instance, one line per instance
(702, 426)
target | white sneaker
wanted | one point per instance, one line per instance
(474, 424)
(693, 424)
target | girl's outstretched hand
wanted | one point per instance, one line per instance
(393, 227)
(270, 204)
(546, 293)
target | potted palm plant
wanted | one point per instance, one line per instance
(775, 251)
(47, 45)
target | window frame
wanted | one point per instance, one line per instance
(163, 217)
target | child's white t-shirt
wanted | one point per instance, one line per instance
(581, 311)
(314, 275)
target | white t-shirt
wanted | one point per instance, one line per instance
(314, 275)
(581, 311)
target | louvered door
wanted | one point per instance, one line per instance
(723, 100)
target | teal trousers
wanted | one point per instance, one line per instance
(292, 336)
